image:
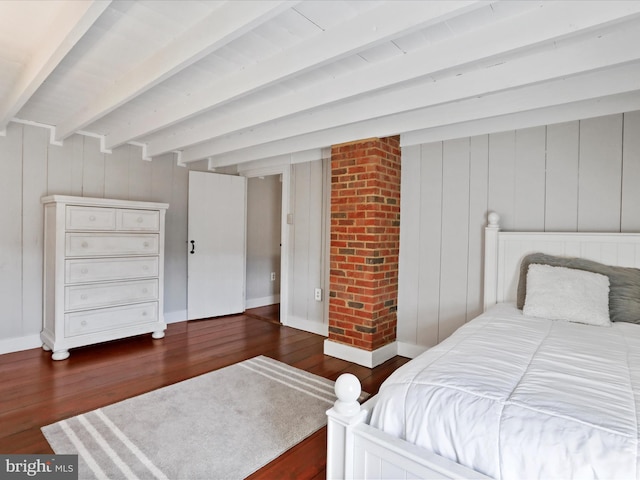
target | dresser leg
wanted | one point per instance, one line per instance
(46, 347)
(60, 355)
(158, 334)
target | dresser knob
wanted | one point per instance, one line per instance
(84, 245)
(83, 297)
(92, 218)
(145, 267)
(83, 323)
(146, 244)
(144, 314)
(84, 271)
(139, 220)
(144, 290)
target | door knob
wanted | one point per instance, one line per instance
(193, 246)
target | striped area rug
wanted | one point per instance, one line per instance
(224, 424)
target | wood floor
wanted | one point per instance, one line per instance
(35, 391)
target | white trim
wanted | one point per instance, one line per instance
(285, 171)
(308, 326)
(410, 350)
(18, 344)
(102, 138)
(144, 147)
(51, 128)
(262, 301)
(359, 356)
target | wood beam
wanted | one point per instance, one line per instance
(230, 21)
(72, 22)
(594, 94)
(553, 22)
(381, 24)
(598, 52)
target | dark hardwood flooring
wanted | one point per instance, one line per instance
(36, 391)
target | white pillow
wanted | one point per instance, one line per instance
(560, 293)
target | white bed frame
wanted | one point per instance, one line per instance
(356, 450)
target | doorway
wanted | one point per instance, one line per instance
(264, 243)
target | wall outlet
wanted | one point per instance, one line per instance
(273, 276)
(317, 294)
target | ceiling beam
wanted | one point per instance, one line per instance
(225, 24)
(554, 21)
(562, 61)
(71, 23)
(593, 94)
(381, 24)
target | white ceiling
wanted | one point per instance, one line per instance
(234, 81)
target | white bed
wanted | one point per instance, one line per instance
(550, 399)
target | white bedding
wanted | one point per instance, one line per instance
(548, 399)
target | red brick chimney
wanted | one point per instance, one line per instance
(365, 239)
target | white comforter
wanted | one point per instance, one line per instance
(519, 397)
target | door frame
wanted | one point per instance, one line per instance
(285, 171)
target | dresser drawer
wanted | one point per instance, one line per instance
(90, 218)
(90, 244)
(138, 220)
(104, 319)
(105, 269)
(106, 294)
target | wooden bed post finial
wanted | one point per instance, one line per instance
(494, 220)
(348, 390)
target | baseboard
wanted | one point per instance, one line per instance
(18, 344)
(307, 325)
(409, 350)
(361, 357)
(262, 301)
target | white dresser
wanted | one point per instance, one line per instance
(103, 271)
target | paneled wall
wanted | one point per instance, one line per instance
(308, 260)
(30, 168)
(577, 176)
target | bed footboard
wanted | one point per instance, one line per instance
(357, 450)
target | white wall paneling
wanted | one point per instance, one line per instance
(561, 193)
(455, 229)
(599, 188)
(529, 179)
(502, 171)
(34, 179)
(408, 282)
(430, 224)
(581, 175)
(11, 235)
(308, 252)
(30, 167)
(630, 219)
(478, 191)
(116, 169)
(92, 168)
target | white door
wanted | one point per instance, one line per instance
(217, 245)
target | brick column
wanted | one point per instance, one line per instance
(365, 238)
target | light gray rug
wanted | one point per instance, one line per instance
(221, 425)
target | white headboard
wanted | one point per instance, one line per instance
(505, 250)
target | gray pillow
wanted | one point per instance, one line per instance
(624, 283)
